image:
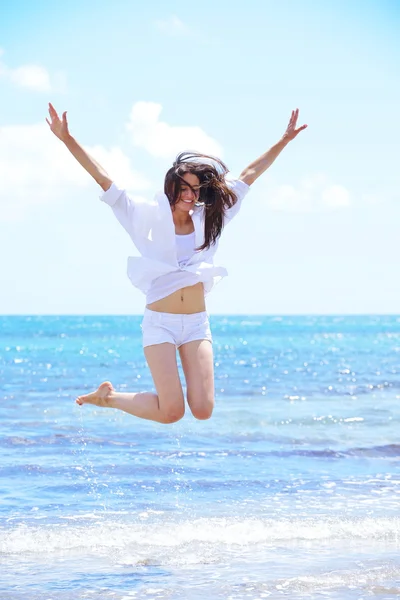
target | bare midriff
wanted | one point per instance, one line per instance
(186, 301)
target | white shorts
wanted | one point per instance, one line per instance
(160, 327)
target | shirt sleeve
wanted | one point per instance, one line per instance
(240, 188)
(123, 206)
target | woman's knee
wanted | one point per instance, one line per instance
(203, 411)
(173, 412)
(172, 417)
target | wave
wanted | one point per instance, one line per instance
(371, 580)
(151, 531)
(62, 440)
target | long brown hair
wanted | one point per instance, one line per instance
(214, 192)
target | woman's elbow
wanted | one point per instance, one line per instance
(105, 183)
(248, 176)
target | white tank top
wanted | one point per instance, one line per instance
(167, 284)
(184, 247)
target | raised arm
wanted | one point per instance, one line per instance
(259, 166)
(60, 129)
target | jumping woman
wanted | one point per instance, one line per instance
(177, 236)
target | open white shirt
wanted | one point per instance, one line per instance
(151, 228)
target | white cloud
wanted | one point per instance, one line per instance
(172, 26)
(163, 140)
(117, 164)
(314, 193)
(36, 168)
(33, 77)
(336, 196)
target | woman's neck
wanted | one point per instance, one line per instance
(181, 218)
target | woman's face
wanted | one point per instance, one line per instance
(187, 195)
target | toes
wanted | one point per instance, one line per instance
(108, 385)
(99, 397)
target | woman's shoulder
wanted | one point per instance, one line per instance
(237, 185)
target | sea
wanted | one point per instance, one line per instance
(290, 490)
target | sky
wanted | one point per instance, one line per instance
(319, 231)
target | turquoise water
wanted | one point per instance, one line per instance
(290, 490)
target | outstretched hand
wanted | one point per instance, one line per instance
(291, 131)
(58, 126)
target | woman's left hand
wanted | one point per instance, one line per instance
(291, 131)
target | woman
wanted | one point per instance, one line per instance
(177, 235)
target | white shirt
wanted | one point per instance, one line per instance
(170, 282)
(152, 230)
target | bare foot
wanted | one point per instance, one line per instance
(101, 397)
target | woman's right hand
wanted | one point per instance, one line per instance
(58, 126)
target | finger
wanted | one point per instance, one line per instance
(296, 131)
(52, 111)
(48, 122)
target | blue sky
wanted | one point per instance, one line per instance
(319, 232)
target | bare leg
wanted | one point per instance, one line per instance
(167, 406)
(198, 367)
(140, 404)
